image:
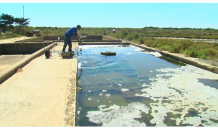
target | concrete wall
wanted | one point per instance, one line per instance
(93, 40)
(105, 43)
(19, 48)
(96, 37)
(36, 39)
(53, 37)
(61, 38)
(12, 69)
(0, 49)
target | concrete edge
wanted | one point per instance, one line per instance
(208, 67)
(69, 116)
(12, 69)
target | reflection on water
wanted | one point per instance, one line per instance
(134, 88)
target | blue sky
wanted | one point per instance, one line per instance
(131, 15)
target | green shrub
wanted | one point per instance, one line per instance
(129, 37)
(141, 41)
(165, 47)
(211, 53)
(124, 33)
(149, 42)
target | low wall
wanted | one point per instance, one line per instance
(93, 37)
(105, 43)
(61, 38)
(22, 48)
(0, 49)
(35, 39)
(12, 69)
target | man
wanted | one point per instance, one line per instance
(67, 38)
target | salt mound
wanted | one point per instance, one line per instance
(124, 115)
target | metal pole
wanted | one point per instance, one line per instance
(23, 12)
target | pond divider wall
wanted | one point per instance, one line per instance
(22, 48)
(12, 69)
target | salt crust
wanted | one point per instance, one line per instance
(142, 95)
(145, 85)
(119, 116)
(159, 116)
(119, 84)
(195, 121)
(157, 54)
(104, 90)
(183, 92)
(124, 89)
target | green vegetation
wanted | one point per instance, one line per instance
(13, 27)
(187, 47)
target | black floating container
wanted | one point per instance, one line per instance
(108, 53)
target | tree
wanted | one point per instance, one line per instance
(0, 18)
(21, 24)
(21, 21)
(6, 22)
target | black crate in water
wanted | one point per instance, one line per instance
(90, 71)
(87, 88)
(116, 68)
(127, 67)
(105, 86)
(143, 80)
(130, 94)
(117, 86)
(118, 81)
(104, 69)
(132, 85)
(131, 73)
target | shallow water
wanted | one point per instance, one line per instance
(135, 88)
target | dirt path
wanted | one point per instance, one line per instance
(12, 40)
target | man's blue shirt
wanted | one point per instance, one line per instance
(70, 32)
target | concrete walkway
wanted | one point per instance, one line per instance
(39, 96)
